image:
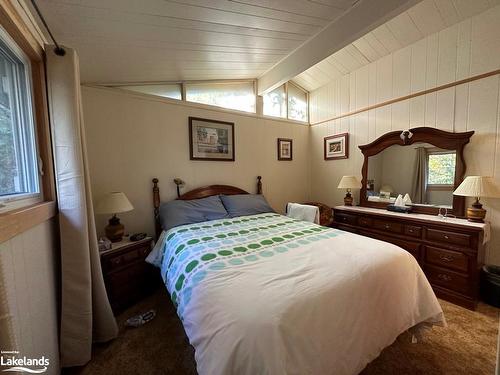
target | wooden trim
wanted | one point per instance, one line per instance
(15, 26)
(18, 221)
(406, 97)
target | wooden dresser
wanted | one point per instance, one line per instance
(450, 251)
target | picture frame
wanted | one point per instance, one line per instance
(336, 146)
(211, 140)
(285, 149)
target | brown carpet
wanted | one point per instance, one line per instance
(466, 346)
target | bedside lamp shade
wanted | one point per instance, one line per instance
(477, 187)
(348, 183)
(113, 203)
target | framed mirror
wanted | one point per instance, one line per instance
(425, 163)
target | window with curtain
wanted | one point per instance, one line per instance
(172, 91)
(441, 169)
(19, 176)
(275, 102)
(297, 103)
(232, 95)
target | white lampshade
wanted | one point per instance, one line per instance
(349, 182)
(477, 186)
(113, 203)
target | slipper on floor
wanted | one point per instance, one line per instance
(141, 319)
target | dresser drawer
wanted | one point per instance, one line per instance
(448, 238)
(448, 279)
(388, 226)
(413, 231)
(345, 218)
(447, 258)
(365, 222)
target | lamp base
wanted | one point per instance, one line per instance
(348, 199)
(114, 230)
(476, 213)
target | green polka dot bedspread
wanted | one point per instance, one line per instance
(268, 294)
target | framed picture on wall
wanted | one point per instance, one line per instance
(285, 149)
(336, 146)
(211, 139)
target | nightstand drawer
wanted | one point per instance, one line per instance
(125, 257)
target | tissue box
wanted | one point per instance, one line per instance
(405, 209)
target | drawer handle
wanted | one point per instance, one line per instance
(446, 258)
(446, 237)
(344, 218)
(387, 226)
(444, 277)
(411, 230)
(117, 260)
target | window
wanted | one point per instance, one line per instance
(19, 177)
(232, 95)
(287, 101)
(172, 91)
(275, 102)
(441, 169)
(297, 103)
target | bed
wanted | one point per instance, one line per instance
(267, 294)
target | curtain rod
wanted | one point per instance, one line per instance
(58, 50)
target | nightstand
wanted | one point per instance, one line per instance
(127, 276)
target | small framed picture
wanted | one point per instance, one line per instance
(211, 139)
(336, 146)
(284, 149)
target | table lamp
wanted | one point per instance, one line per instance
(348, 183)
(114, 203)
(477, 187)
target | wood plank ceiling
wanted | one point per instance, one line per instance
(425, 18)
(123, 41)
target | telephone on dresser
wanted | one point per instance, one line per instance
(138, 236)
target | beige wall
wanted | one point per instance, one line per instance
(132, 138)
(28, 287)
(468, 48)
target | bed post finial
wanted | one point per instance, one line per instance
(259, 184)
(156, 205)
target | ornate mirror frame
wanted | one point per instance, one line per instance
(438, 138)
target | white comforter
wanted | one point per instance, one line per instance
(328, 307)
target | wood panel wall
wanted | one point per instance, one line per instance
(463, 50)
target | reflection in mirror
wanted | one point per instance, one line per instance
(424, 172)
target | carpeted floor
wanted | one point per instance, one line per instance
(466, 346)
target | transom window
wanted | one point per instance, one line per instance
(19, 176)
(287, 101)
(233, 95)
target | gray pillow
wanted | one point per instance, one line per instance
(245, 204)
(181, 212)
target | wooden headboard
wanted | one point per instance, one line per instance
(202, 192)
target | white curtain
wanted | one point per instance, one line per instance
(86, 315)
